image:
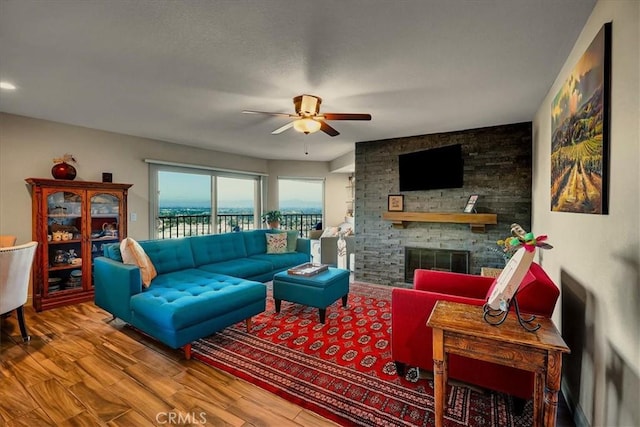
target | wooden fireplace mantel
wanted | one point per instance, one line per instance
(477, 221)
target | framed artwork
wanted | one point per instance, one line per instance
(470, 207)
(580, 117)
(395, 203)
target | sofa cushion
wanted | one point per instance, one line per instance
(276, 243)
(292, 240)
(170, 254)
(112, 251)
(189, 297)
(215, 248)
(280, 261)
(242, 267)
(132, 253)
(255, 242)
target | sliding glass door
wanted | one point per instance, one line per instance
(191, 201)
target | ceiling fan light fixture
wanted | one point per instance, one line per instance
(306, 125)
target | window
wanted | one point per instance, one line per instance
(191, 201)
(236, 204)
(300, 201)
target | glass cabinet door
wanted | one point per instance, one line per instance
(104, 210)
(64, 242)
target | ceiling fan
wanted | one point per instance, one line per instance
(308, 118)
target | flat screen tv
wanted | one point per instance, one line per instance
(432, 169)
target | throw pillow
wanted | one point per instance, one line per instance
(132, 253)
(292, 240)
(276, 243)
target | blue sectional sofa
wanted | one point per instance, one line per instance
(204, 284)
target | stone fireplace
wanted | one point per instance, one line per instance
(497, 167)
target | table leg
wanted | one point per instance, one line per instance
(552, 386)
(538, 398)
(439, 375)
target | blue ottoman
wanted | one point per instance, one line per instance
(319, 291)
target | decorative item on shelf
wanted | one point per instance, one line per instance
(470, 207)
(54, 284)
(520, 249)
(58, 210)
(272, 218)
(63, 169)
(61, 257)
(520, 238)
(342, 251)
(75, 279)
(395, 203)
(110, 229)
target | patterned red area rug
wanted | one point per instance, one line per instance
(343, 369)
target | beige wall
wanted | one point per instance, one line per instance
(602, 252)
(28, 145)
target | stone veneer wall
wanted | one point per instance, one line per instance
(497, 166)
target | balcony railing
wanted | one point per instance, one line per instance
(171, 227)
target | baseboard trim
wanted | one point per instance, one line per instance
(577, 414)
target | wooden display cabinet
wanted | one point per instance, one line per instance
(71, 220)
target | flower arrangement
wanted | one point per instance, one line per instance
(67, 158)
(520, 238)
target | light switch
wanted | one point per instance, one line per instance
(134, 216)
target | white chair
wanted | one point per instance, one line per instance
(15, 269)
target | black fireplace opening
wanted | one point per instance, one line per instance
(434, 259)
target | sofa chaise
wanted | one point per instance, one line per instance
(203, 283)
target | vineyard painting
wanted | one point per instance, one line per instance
(580, 133)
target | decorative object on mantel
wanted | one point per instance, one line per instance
(470, 207)
(521, 250)
(580, 117)
(395, 203)
(63, 169)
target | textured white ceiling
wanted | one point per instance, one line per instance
(182, 71)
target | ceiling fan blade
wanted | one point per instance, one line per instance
(324, 127)
(282, 128)
(269, 113)
(346, 116)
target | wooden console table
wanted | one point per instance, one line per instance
(460, 329)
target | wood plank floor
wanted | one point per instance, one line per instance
(82, 369)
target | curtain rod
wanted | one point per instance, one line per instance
(201, 167)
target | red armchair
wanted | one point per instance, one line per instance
(411, 339)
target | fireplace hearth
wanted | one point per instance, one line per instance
(456, 261)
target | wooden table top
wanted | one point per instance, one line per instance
(467, 319)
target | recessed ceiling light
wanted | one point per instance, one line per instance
(7, 86)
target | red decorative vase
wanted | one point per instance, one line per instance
(63, 171)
